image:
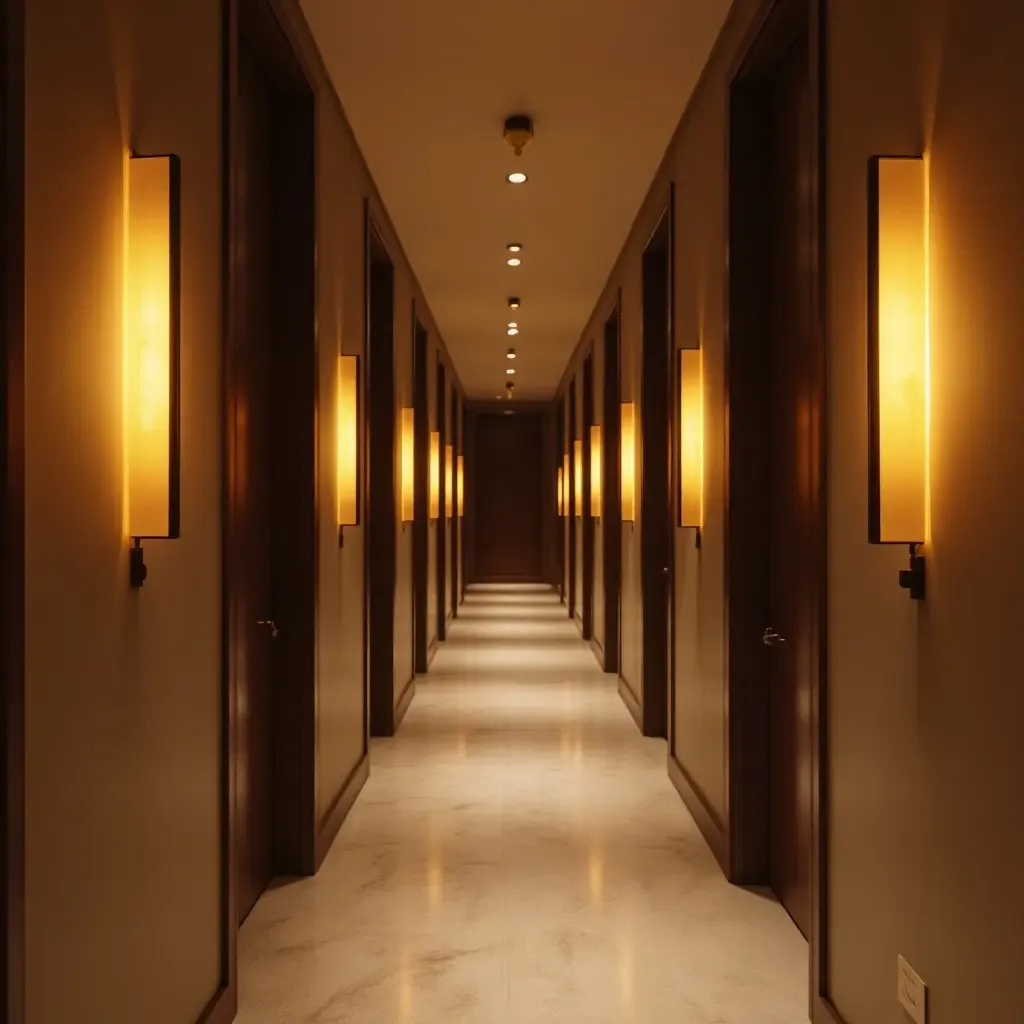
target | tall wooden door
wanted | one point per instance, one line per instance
(789, 632)
(253, 462)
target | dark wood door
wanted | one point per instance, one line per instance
(791, 616)
(509, 508)
(253, 461)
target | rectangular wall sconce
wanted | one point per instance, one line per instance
(628, 462)
(691, 440)
(566, 495)
(561, 493)
(152, 339)
(578, 455)
(898, 358)
(449, 480)
(408, 492)
(595, 472)
(435, 475)
(348, 461)
(460, 486)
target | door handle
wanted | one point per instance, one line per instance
(770, 637)
(271, 623)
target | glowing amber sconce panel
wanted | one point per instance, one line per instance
(595, 472)
(435, 475)
(628, 462)
(347, 427)
(152, 299)
(898, 356)
(566, 486)
(691, 439)
(577, 447)
(561, 494)
(460, 484)
(408, 435)
(449, 480)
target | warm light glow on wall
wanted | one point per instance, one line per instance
(628, 441)
(691, 438)
(561, 492)
(347, 426)
(897, 325)
(595, 472)
(449, 480)
(566, 496)
(460, 483)
(408, 436)
(578, 457)
(435, 474)
(151, 342)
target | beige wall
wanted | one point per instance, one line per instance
(124, 688)
(925, 701)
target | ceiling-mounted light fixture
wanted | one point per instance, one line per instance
(514, 247)
(511, 370)
(518, 131)
(512, 331)
(510, 354)
(514, 261)
(513, 302)
(509, 388)
(517, 178)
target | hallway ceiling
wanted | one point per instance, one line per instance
(427, 86)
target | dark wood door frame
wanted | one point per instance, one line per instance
(381, 519)
(300, 839)
(654, 439)
(12, 509)
(744, 851)
(571, 496)
(421, 500)
(456, 433)
(587, 520)
(611, 496)
(562, 526)
(441, 552)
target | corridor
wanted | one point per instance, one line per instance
(519, 855)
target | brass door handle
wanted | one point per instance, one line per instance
(271, 623)
(770, 637)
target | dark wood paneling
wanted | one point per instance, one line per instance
(573, 497)
(421, 525)
(508, 504)
(455, 431)
(781, 24)
(654, 442)
(587, 521)
(441, 548)
(611, 496)
(381, 518)
(12, 509)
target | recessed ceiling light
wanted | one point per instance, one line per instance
(511, 370)
(517, 178)
(513, 324)
(514, 247)
(511, 353)
(513, 302)
(513, 331)
(514, 262)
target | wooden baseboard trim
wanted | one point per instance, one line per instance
(222, 1008)
(432, 652)
(632, 704)
(598, 649)
(823, 1012)
(707, 821)
(404, 701)
(339, 812)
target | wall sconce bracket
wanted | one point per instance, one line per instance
(913, 578)
(137, 571)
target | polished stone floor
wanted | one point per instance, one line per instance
(519, 856)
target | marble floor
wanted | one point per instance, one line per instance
(519, 856)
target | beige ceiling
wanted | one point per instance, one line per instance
(427, 84)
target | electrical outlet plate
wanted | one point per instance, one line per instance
(912, 992)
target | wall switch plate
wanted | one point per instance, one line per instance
(912, 992)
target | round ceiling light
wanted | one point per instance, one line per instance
(513, 302)
(511, 353)
(517, 178)
(512, 331)
(514, 246)
(511, 370)
(514, 262)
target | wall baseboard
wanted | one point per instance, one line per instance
(598, 649)
(432, 652)
(707, 821)
(404, 701)
(823, 1012)
(632, 704)
(339, 812)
